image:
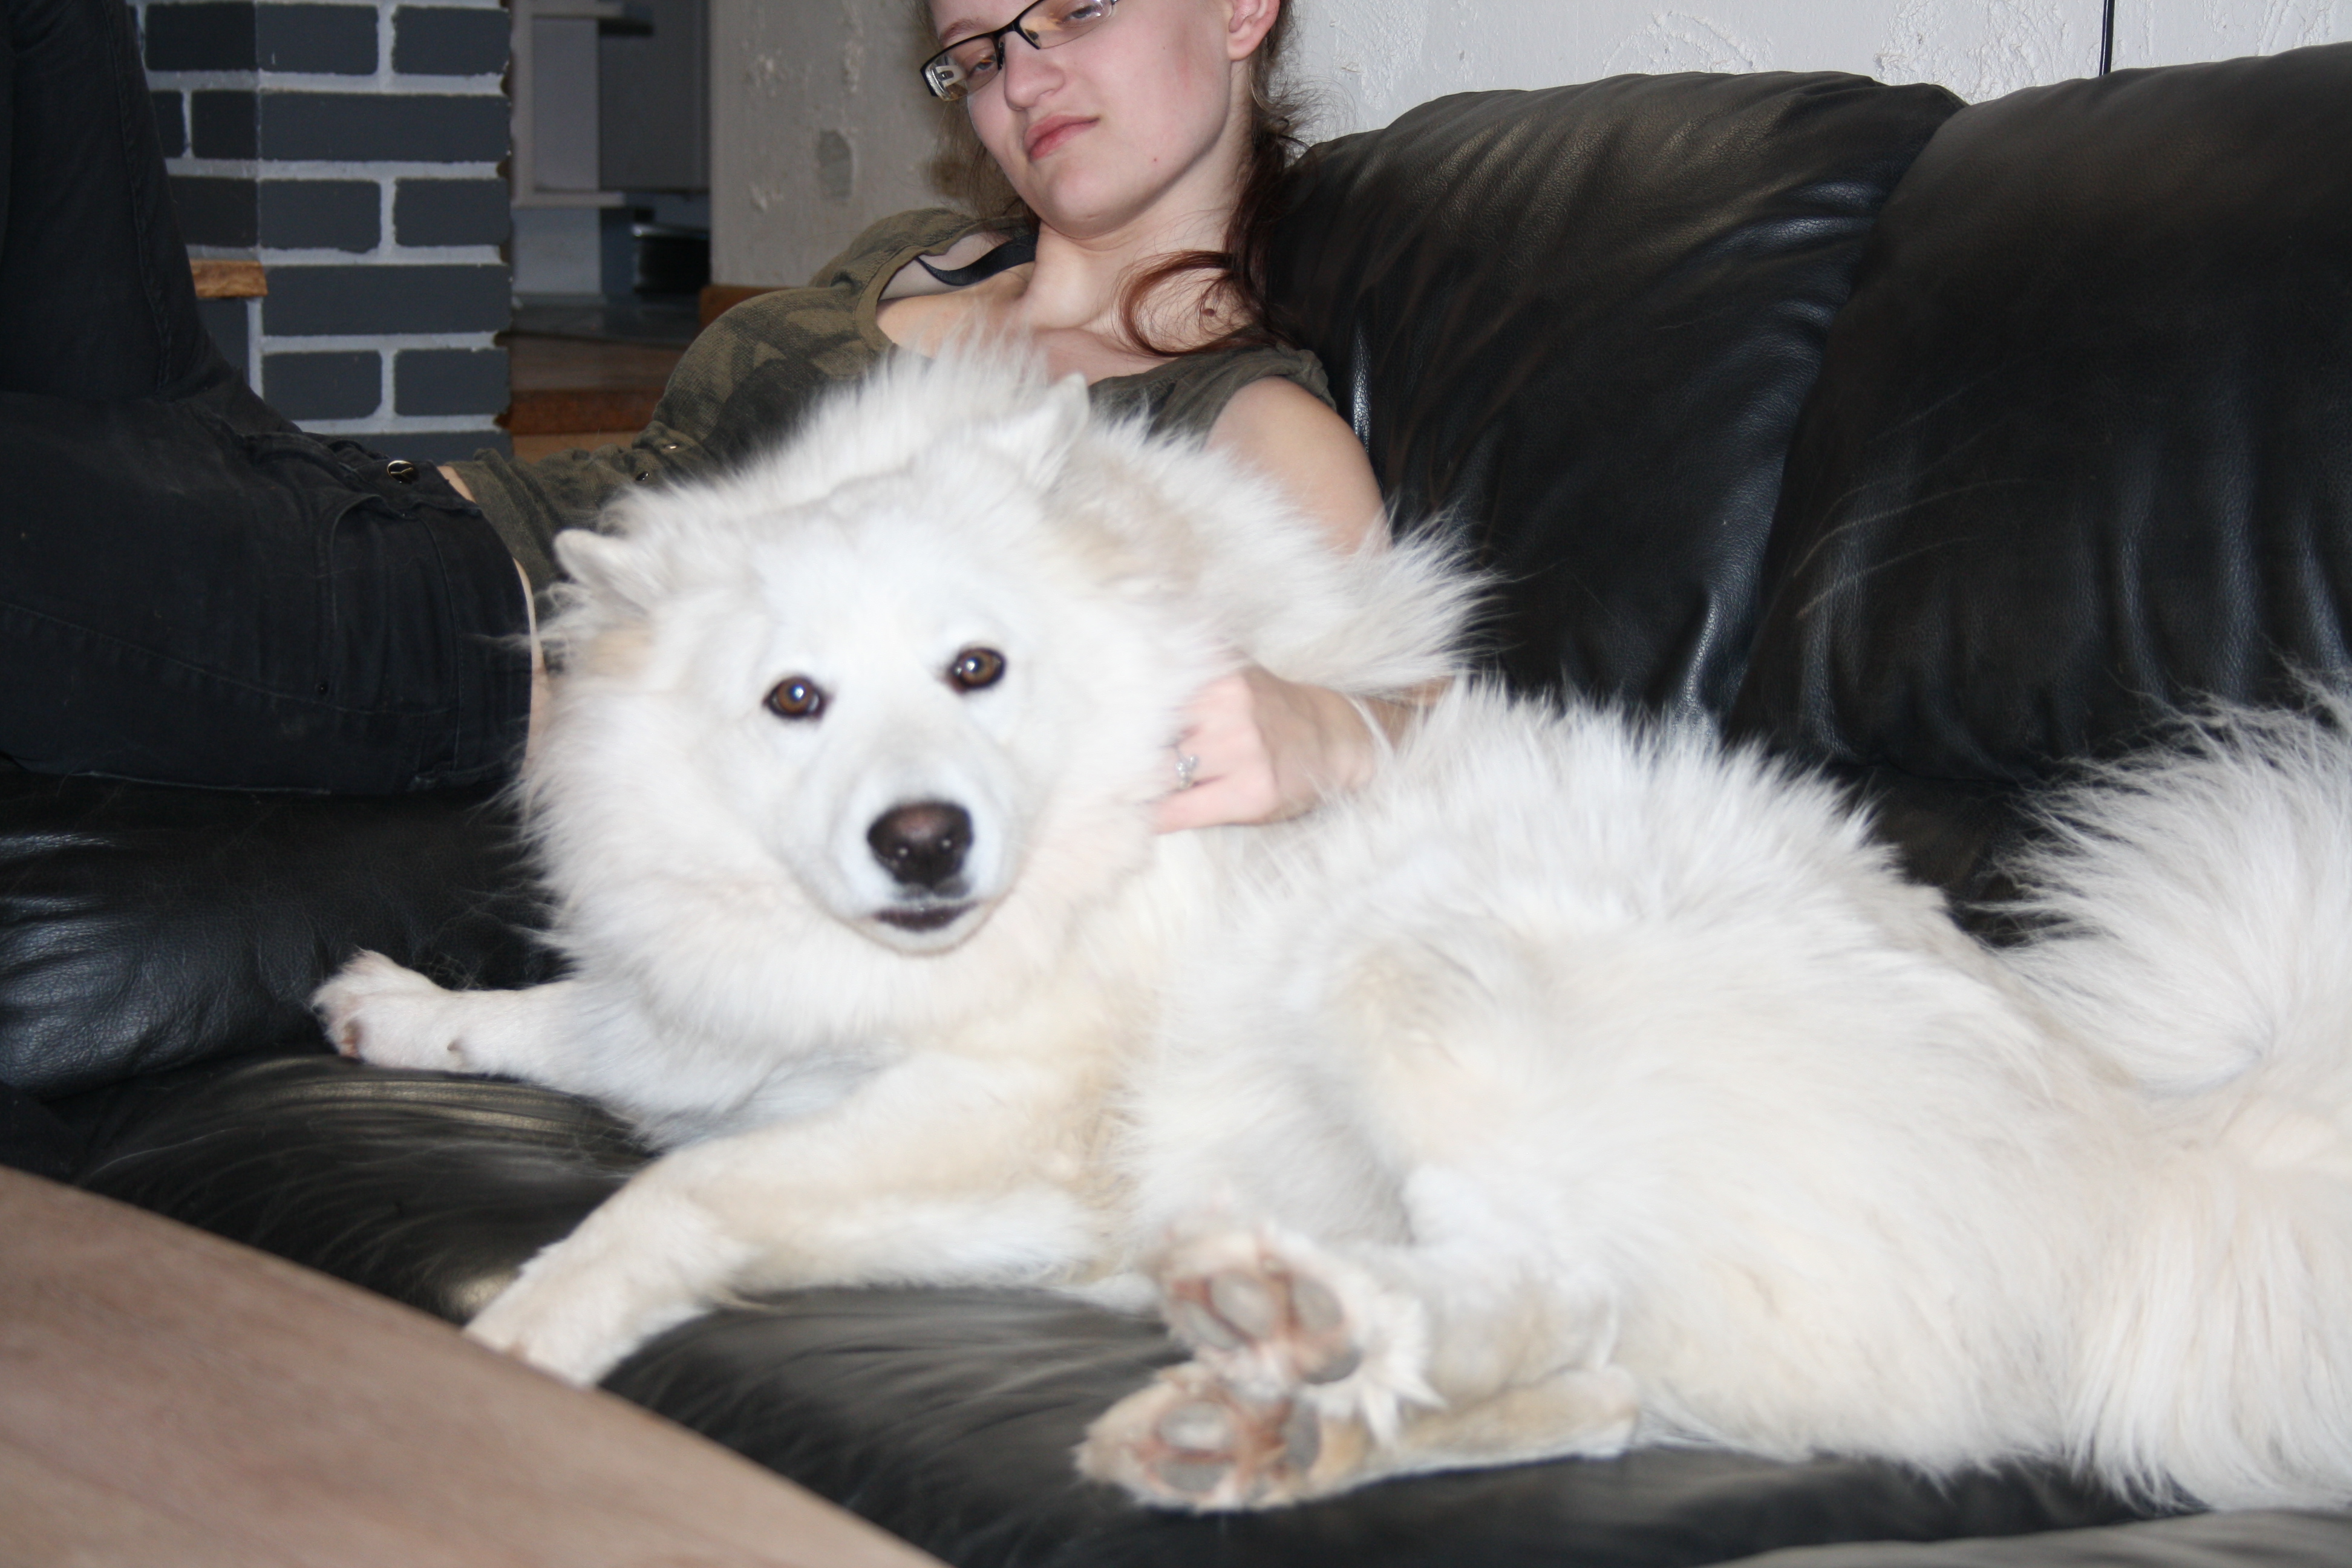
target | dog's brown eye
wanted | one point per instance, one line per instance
(975, 668)
(796, 697)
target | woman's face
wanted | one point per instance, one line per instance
(1149, 108)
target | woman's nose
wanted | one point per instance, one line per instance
(1027, 73)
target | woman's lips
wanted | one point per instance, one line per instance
(1051, 132)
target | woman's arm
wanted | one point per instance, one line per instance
(1269, 748)
(1292, 436)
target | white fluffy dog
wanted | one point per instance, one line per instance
(1576, 1084)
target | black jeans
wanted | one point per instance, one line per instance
(191, 589)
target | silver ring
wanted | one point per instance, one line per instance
(1187, 764)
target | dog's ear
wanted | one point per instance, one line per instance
(611, 569)
(1038, 438)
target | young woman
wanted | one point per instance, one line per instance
(1138, 145)
(1142, 133)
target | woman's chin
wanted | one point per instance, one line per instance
(1070, 208)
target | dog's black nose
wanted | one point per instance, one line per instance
(921, 845)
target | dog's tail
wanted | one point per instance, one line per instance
(2195, 905)
(2197, 911)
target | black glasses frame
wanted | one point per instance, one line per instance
(950, 83)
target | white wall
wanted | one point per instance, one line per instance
(820, 126)
(1382, 56)
(2166, 32)
(558, 253)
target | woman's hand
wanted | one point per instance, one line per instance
(1263, 749)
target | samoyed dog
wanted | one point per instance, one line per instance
(1578, 1083)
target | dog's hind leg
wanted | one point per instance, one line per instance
(1315, 1372)
(1191, 1440)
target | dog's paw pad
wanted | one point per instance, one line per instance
(1191, 1441)
(1226, 1303)
(1195, 1443)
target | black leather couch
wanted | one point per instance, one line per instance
(1938, 444)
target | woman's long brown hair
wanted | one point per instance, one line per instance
(1232, 304)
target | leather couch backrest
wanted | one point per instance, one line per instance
(2081, 450)
(1577, 325)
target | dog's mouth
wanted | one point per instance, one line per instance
(924, 917)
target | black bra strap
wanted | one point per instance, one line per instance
(1014, 252)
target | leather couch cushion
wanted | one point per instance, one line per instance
(425, 1187)
(946, 1416)
(1578, 325)
(2082, 446)
(145, 928)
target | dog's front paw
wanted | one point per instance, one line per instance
(1191, 1440)
(534, 1324)
(580, 1307)
(376, 1012)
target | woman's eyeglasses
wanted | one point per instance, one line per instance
(964, 67)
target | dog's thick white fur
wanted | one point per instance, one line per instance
(1576, 1084)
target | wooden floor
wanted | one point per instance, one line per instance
(170, 1398)
(589, 375)
(575, 391)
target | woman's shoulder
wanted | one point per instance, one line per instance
(1277, 425)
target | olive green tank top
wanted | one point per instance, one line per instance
(753, 374)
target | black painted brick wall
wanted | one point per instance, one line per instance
(330, 215)
(386, 293)
(451, 212)
(449, 381)
(341, 384)
(437, 40)
(423, 128)
(361, 298)
(221, 124)
(333, 40)
(207, 38)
